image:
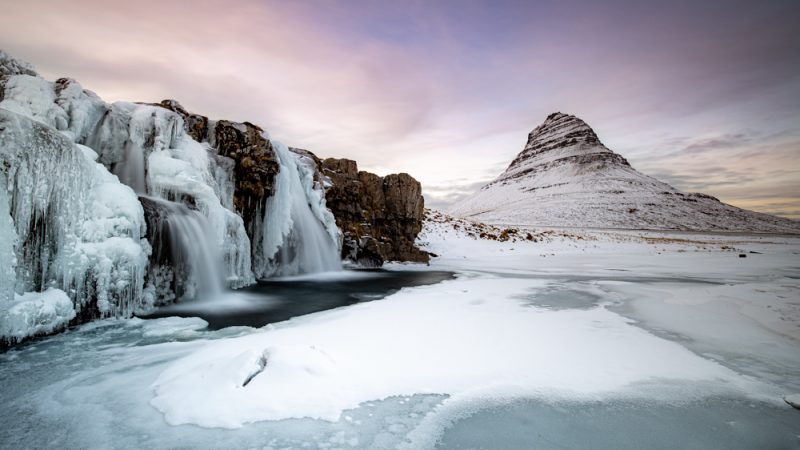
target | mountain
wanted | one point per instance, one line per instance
(566, 177)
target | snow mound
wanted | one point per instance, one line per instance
(320, 365)
(36, 313)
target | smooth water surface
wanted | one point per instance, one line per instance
(277, 300)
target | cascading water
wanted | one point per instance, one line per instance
(184, 262)
(130, 170)
(295, 238)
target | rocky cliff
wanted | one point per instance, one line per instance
(566, 177)
(380, 217)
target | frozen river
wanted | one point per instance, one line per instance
(634, 355)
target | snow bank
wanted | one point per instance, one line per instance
(36, 313)
(466, 338)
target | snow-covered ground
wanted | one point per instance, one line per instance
(666, 340)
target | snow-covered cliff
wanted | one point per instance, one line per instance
(566, 177)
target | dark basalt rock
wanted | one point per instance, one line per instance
(256, 166)
(380, 217)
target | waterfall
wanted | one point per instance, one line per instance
(185, 255)
(295, 239)
(130, 170)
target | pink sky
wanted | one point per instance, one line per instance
(703, 95)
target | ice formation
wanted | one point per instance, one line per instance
(76, 226)
(8, 240)
(299, 233)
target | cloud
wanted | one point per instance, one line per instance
(449, 90)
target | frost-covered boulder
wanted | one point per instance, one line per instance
(35, 313)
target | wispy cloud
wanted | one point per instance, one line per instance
(448, 90)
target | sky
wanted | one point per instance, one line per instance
(704, 95)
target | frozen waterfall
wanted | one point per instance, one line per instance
(186, 259)
(299, 234)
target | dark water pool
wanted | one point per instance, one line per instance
(281, 299)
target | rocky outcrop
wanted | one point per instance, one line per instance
(380, 217)
(256, 166)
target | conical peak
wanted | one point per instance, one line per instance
(559, 136)
(562, 129)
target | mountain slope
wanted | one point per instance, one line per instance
(566, 177)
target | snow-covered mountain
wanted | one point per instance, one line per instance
(566, 177)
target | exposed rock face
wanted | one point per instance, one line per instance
(256, 166)
(380, 217)
(195, 124)
(566, 177)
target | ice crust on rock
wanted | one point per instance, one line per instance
(77, 227)
(68, 221)
(8, 242)
(12, 66)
